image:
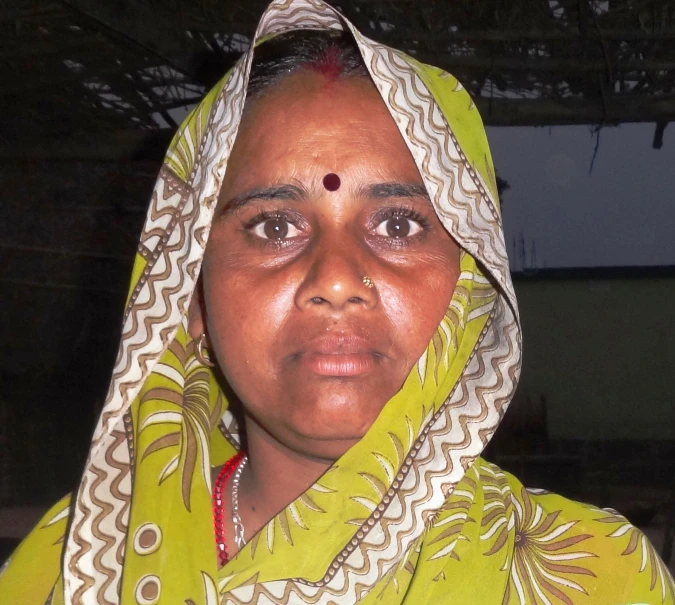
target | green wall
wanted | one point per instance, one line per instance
(602, 351)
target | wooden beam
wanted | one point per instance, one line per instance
(58, 286)
(449, 61)
(148, 29)
(531, 35)
(152, 144)
(63, 77)
(403, 34)
(111, 147)
(52, 252)
(27, 11)
(19, 48)
(614, 109)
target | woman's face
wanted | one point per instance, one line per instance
(313, 353)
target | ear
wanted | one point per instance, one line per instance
(196, 313)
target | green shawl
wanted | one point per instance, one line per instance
(411, 513)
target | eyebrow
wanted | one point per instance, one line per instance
(386, 190)
(377, 191)
(276, 192)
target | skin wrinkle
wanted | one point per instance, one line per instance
(265, 305)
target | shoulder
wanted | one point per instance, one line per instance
(32, 571)
(569, 547)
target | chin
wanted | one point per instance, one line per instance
(321, 447)
(329, 436)
(319, 423)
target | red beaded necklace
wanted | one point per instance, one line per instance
(218, 497)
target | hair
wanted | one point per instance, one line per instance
(330, 53)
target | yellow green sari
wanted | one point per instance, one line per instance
(411, 514)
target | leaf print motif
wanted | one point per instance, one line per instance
(286, 522)
(471, 291)
(185, 416)
(400, 573)
(372, 494)
(399, 449)
(444, 342)
(59, 514)
(367, 503)
(386, 464)
(379, 487)
(637, 544)
(210, 590)
(542, 570)
(373, 489)
(181, 154)
(498, 518)
(445, 529)
(292, 516)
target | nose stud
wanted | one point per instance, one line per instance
(367, 281)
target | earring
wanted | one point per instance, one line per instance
(199, 352)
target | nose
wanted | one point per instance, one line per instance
(335, 278)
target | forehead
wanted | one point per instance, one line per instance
(311, 121)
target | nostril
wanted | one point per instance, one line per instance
(317, 300)
(356, 299)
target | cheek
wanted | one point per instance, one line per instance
(244, 314)
(416, 316)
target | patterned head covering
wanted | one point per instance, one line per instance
(398, 509)
(161, 429)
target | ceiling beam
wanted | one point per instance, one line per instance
(531, 35)
(100, 146)
(142, 27)
(568, 66)
(613, 109)
(151, 144)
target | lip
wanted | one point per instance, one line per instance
(338, 355)
(338, 365)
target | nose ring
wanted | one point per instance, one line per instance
(367, 281)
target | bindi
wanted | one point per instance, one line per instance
(331, 182)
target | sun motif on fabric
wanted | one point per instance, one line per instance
(543, 569)
(182, 415)
(498, 518)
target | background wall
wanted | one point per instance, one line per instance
(600, 347)
(68, 232)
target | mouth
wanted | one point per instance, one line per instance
(338, 365)
(338, 356)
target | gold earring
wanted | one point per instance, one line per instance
(367, 281)
(199, 352)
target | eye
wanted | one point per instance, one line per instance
(276, 229)
(398, 227)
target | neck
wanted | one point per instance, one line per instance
(274, 476)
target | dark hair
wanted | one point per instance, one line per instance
(331, 53)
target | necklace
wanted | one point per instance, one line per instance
(234, 465)
(236, 518)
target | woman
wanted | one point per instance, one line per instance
(354, 297)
